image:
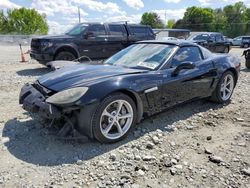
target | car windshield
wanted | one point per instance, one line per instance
(142, 56)
(76, 30)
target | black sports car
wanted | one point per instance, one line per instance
(105, 101)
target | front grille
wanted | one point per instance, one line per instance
(35, 44)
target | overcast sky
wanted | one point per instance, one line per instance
(62, 14)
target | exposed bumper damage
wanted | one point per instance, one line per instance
(33, 101)
(33, 96)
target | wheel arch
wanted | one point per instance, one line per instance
(85, 116)
(137, 100)
(66, 48)
(231, 69)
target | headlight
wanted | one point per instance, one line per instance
(67, 96)
(46, 44)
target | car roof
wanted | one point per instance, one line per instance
(179, 43)
(115, 23)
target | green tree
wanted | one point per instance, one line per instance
(23, 21)
(152, 19)
(170, 23)
(235, 19)
(197, 19)
(247, 21)
(219, 21)
(179, 24)
(3, 21)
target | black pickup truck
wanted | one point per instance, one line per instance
(213, 41)
(92, 40)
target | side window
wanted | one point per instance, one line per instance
(150, 32)
(206, 53)
(139, 31)
(116, 30)
(186, 54)
(212, 37)
(201, 37)
(97, 29)
(218, 38)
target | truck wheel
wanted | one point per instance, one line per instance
(248, 63)
(226, 50)
(68, 56)
(246, 45)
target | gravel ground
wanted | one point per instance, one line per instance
(199, 144)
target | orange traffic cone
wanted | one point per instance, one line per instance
(23, 60)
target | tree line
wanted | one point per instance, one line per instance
(23, 21)
(232, 20)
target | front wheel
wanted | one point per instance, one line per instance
(64, 55)
(114, 118)
(225, 88)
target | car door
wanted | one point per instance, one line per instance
(237, 41)
(117, 39)
(190, 83)
(219, 43)
(94, 42)
(211, 43)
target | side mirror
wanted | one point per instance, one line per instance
(88, 34)
(182, 66)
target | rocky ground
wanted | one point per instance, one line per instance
(199, 144)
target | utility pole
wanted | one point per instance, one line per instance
(165, 17)
(79, 15)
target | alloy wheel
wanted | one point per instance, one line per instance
(116, 119)
(227, 87)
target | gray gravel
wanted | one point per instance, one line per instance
(172, 149)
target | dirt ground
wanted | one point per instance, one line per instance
(200, 144)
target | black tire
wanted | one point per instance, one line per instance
(248, 63)
(246, 45)
(98, 115)
(64, 55)
(226, 50)
(216, 95)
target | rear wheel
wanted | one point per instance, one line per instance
(224, 89)
(114, 118)
(68, 56)
(226, 50)
(246, 45)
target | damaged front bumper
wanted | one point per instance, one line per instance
(33, 100)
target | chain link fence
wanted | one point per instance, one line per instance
(16, 39)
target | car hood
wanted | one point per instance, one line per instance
(52, 37)
(82, 75)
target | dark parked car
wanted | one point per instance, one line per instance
(94, 40)
(246, 53)
(245, 42)
(105, 101)
(213, 41)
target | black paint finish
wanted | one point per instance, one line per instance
(153, 91)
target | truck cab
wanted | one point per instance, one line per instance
(89, 40)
